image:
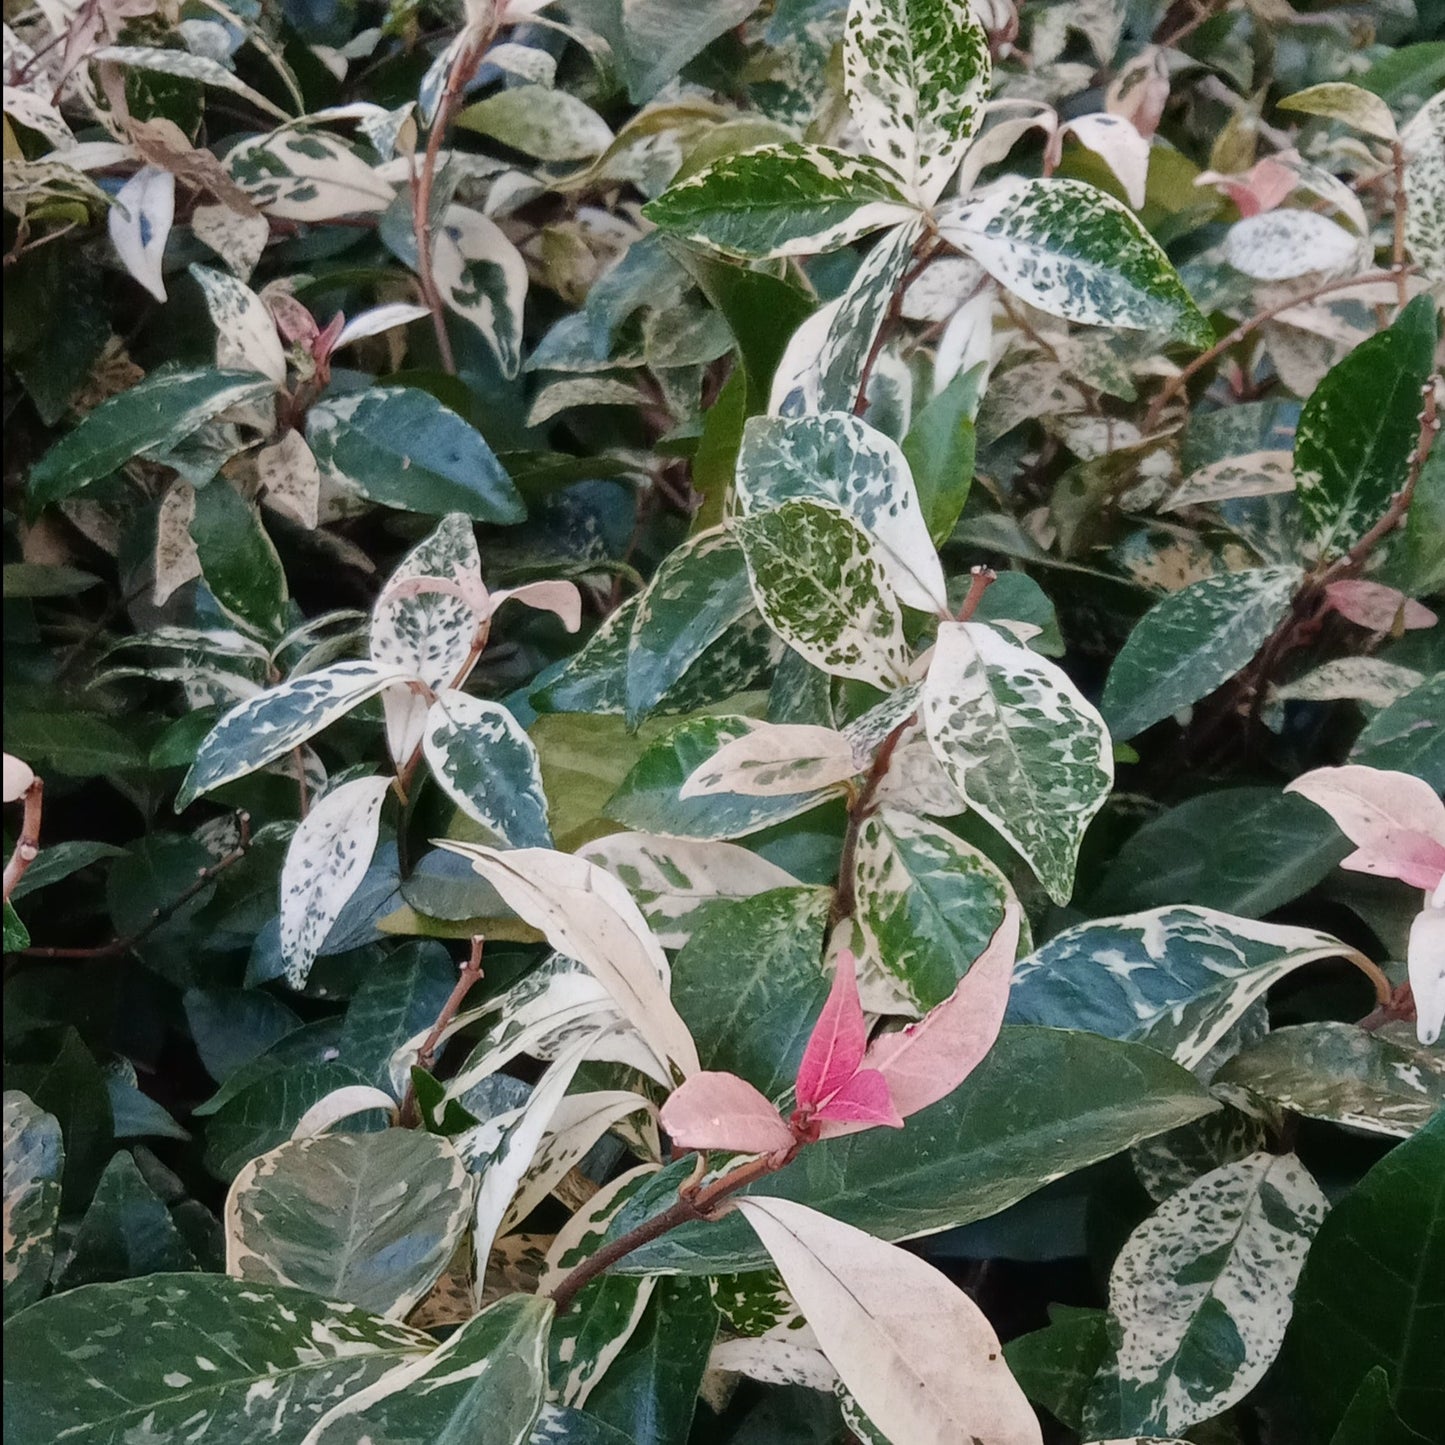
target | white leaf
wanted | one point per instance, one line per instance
(773, 759)
(139, 223)
(1281, 245)
(775, 1362)
(1426, 956)
(327, 858)
(1366, 679)
(588, 915)
(1424, 145)
(245, 332)
(236, 238)
(290, 480)
(914, 1351)
(341, 1104)
(377, 320)
(18, 778)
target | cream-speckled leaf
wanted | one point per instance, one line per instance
(1074, 252)
(837, 457)
(549, 124)
(1200, 1295)
(1381, 1083)
(485, 1383)
(483, 278)
(488, 767)
(588, 915)
(184, 65)
(1339, 100)
(1281, 245)
(34, 1158)
(915, 1352)
(775, 1361)
(672, 878)
(326, 860)
(1424, 144)
(782, 200)
(1174, 978)
(139, 222)
(290, 480)
(203, 1356)
(1193, 640)
(307, 175)
(917, 73)
(1020, 743)
(776, 758)
(820, 586)
(245, 332)
(367, 1218)
(238, 239)
(266, 727)
(1254, 474)
(1366, 679)
(177, 560)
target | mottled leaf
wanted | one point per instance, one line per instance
(34, 1158)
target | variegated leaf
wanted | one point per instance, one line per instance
(836, 457)
(1282, 245)
(1020, 743)
(1074, 252)
(307, 175)
(1193, 640)
(186, 66)
(290, 480)
(327, 858)
(263, 728)
(917, 74)
(1424, 145)
(1253, 474)
(483, 278)
(367, 1218)
(34, 1159)
(487, 766)
(1366, 679)
(1338, 100)
(245, 332)
(1174, 978)
(140, 222)
(820, 586)
(1200, 1295)
(776, 758)
(548, 124)
(238, 239)
(782, 200)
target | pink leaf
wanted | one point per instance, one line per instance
(1373, 605)
(1396, 821)
(864, 1099)
(722, 1111)
(1261, 188)
(930, 1059)
(1427, 972)
(561, 598)
(835, 1048)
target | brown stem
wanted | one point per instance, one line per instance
(922, 256)
(120, 946)
(688, 1207)
(1397, 250)
(471, 973)
(27, 845)
(1176, 384)
(979, 581)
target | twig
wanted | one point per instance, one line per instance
(27, 845)
(471, 973)
(1397, 250)
(927, 246)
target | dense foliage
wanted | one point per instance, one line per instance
(708, 703)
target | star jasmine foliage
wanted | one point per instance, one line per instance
(673, 666)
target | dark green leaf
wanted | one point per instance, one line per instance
(940, 449)
(1407, 737)
(399, 998)
(238, 559)
(1056, 1365)
(232, 1026)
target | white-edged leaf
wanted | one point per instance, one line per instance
(483, 278)
(266, 727)
(34, 1158)
(140, 222)
(325, 862)
(820, 586)
(915, 1352)
(245, 332)
(1424, 145)
(307, 175)
(837, 457)
(1020, 743)
(186, 66)
(1281, 245)
(776, 758)
(588, 915)
(488, 767)
(1200, 1295)
(367, 1218)
(917, 73)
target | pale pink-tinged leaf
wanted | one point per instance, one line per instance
(560, 598)
(1426, 959)
(1259, 189)
(914, 1351)
(18, 778)
(1396, 821)
(377, 320)
(927, 1061)
(1141, 90)
(863, 1099)
(1118, 143)
(1376, 606)
(836, 1046)
(721, 1111)
(139, 223)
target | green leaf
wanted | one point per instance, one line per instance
(1199, 1297)
(781, 200)
(648, 797)
(485, 1383)
(1174, 978)
(369, 1218)
(57, 861)
(77, 744)
(1071, 251)
(488, 767)
(35, 579)
(654, 39)
(1056, 1365)
(1384, 1084)
(750, 984)
(987, 1145)
(34, 1160)
(17, 936)
(1020, 743)
(399, 998)
(940, 449)
(238, 559)
(232, 1026)
(1356, 432)
(650, 1390)
(918, 73)
(1371, 1419)
(1371, 1293)
(539, 121)
(1424, 551)
(198, 1355)
(400, 446)
(1016, 597)
(1191, 642)
(1407, 737)
(158, 412)
(821, 586)
(927, 904)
